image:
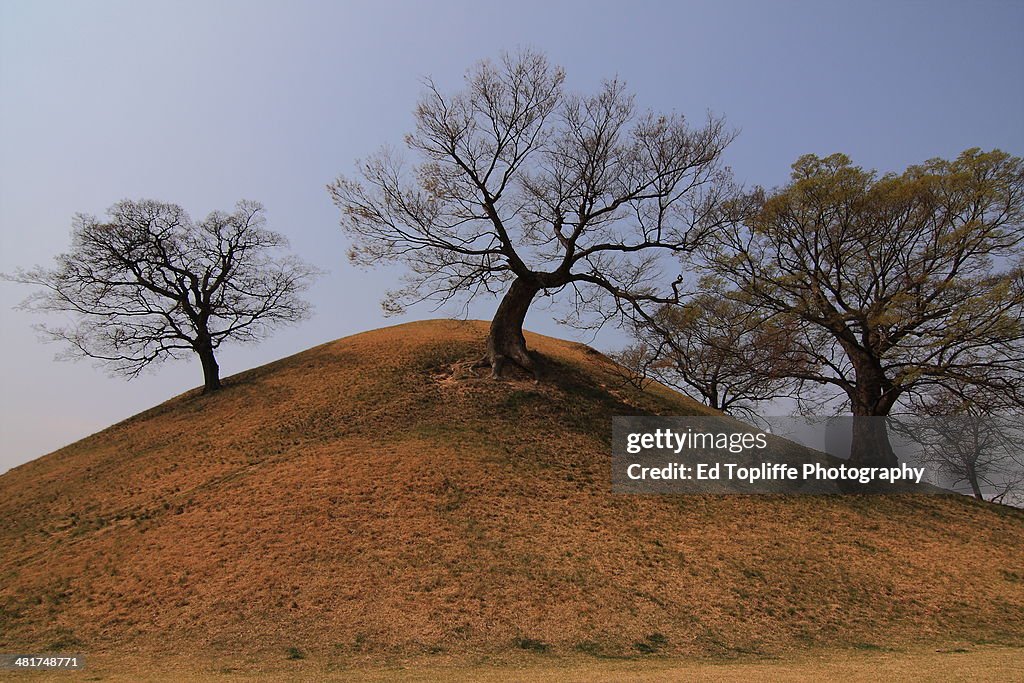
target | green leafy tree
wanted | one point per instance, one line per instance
(715, 348)
(898, 284)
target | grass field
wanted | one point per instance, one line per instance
(372, 501)
(984, 663)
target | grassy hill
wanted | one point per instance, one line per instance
(372, 498)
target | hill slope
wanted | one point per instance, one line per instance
(371, 496)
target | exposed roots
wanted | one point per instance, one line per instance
(499, 357)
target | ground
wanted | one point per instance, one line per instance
(981, 663)
(373, 501)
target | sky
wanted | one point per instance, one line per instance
(205, 103)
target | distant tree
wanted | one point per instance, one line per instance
(715, 349)
(971, 438)
(150, 284)
(898, 285)
(522, 188)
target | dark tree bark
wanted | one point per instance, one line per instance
(506, 341)
(211, 371)
(972, 479)
(870, 403)
(870, 445)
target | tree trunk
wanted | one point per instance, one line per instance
(972, 479)
(506, 342)
(211, 371)
(870, 445)
(870, 407)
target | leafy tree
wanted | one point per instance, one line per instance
(716, 349)
(898, 284)
(150, 284)
(523, 188)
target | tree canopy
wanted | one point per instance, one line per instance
(151, 284)
(715, 348)
(521, 187)
(898, 284)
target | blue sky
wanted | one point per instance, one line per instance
(204, 103)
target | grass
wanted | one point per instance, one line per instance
(981, 664)
(373, 499)
(64, 640)
(531, 644)
(651, 644)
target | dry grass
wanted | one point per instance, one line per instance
(372, 499)
(987, 663)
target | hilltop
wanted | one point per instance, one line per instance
(372, 498)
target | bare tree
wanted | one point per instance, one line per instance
(716, 349)
(899, 284)
(971, 438)
(521, 187)
(151, 284)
